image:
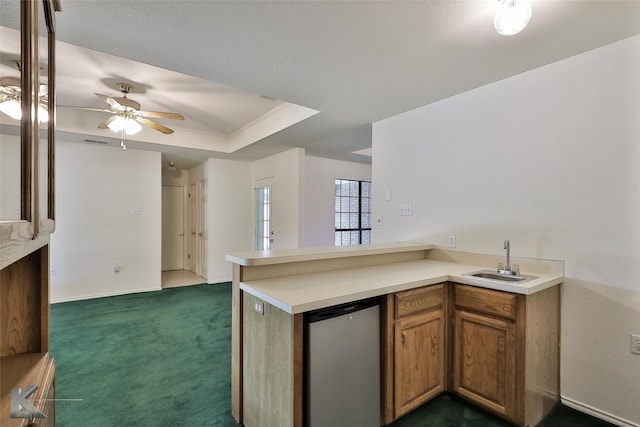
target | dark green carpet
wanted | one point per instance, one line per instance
(150, 359)
(163, 359)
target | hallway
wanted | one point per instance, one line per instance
(178, 278)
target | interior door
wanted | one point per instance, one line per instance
(172, 227)
(192, 226)
(202, 233)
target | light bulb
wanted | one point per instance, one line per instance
(512, 16)
(132, 127)
(117, 125)
(12, 108)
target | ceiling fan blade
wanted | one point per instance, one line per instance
(7, 97)
(152, 124)
(112, 102)
(100, 110)
(105, 124)
(9, 89)
(161, 115)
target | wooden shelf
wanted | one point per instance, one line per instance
(23, 370)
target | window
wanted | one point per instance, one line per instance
(353, 212)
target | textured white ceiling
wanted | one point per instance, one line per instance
(354, 61)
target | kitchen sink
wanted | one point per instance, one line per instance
(494, 275)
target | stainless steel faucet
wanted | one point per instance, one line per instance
(507, 246)
(508, 268)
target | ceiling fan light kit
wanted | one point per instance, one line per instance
(127, 117)
(11, 99)
(126, 124)
(512, 16)
(12, 108)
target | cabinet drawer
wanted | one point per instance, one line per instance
(418, 300)
(494, 303)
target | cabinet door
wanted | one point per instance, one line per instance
(419, 360)
(484, 361)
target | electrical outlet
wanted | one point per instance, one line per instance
(405, 210)
(452, 241)
(635, 344)
(259, 308)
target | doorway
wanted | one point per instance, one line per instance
(173, 227)
(184, 244)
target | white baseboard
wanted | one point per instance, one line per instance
(597, 413)
(102, 295)
(215, 281)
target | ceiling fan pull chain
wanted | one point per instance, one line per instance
(122, 144)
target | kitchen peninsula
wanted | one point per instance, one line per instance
(433, 315)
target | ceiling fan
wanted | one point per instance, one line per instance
(127, 116)
(10, 99)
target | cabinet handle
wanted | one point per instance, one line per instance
(404, 343)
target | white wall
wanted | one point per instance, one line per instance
(550, 159)
(177, 177)
(9, 177)
(96, 190)
(320, 175)
(287, 171)
(229, 214)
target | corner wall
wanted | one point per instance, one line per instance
(549, 159)
(98, 189)
(287, 171)
(229, 222)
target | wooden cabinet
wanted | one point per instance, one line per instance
(496, 349)
(24, 238)
(415, 354)
(505, 354)
(484, 364)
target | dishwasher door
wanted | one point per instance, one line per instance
(342, 355)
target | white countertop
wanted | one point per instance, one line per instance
(282, 256)
(305, 292)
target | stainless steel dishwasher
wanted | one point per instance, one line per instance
(342, 359)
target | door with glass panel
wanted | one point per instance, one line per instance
(264, 209)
